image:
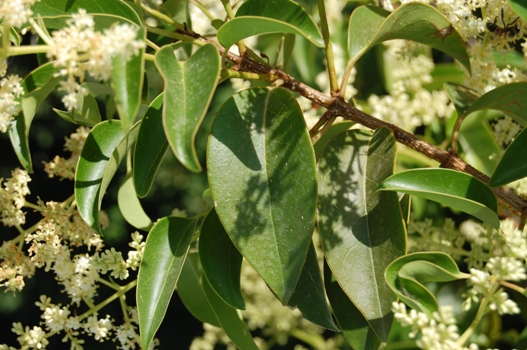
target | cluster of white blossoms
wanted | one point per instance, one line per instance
(65, 167)
(10, 92)
(438, 332)
(13, 197)
(79, 50)
(16, 12)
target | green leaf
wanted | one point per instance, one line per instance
(309, 295)
(513, 164)
(191, 291)
(221, 261)
(261, 169)
(462, 97)
(520, 8)
(37, 85)
(127, 82)
(328, 135)
(189, 87)
(370, 25)
(165, 252)
(150, 147)
(509, 99)
(256, 17)
(87, 111)
(130, 205)
(352, 323)
(478, 142)
(448, 187)
(362, 230)
(119, 8)
(406, 276)
(230, 319)
(105, 147)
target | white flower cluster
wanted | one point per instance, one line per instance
(409, 105)
(80, 50)
(12, 198)
(65, 167)
(438, 332)
(505, 130)
(10, 91)
(16, 12)
(14, 267)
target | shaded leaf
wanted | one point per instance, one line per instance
(513, 164)
(150, 147)
(328, 135)
(406, 276)
(230, 319)
(361, 237)
(352, 323)
(221, 261)
(256, 17)
(165, 252)
(131, 207)
(261, 170)
(448, 187)
(370, 25)
(37, 85)
(309, 295)
(87, 111)
(105, 148)
(189, 87)
(191, 291)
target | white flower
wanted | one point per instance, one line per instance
(507, 268)
(16, 12)
(99, 328)
(12, 198)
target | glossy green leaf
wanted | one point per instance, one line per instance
(165, 252)
(406, 276)
(119, 8)
(370, 25)
(189, 87)
(105, 148)
(309, 296)
(479, 144)
(352, 323)
(127, 82)
(230, 319)
(462, 97)
(513, 164)
(520, 7)
(221, 261)
(328, 135)
(150, 147)
(98, 89)
(37, 85)
(261, 169)
(256, 17)
(131, 207)
(191, 293)
(361, 237)
(448, 187)
(509, 99)
(87, 111)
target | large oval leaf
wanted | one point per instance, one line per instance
(370, 25)
(165, 252)
(150, 147)
(221, 261)
(189, 87)
(37, 85)
(509, 99)
(261, 169)
(362, 231)
(513, 164)
(191, 293)
(256, 17)
(448, 187)
(358, 332)
(309, 295)
(105, 148)
(406, 277)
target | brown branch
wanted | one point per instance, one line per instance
(511, 204)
